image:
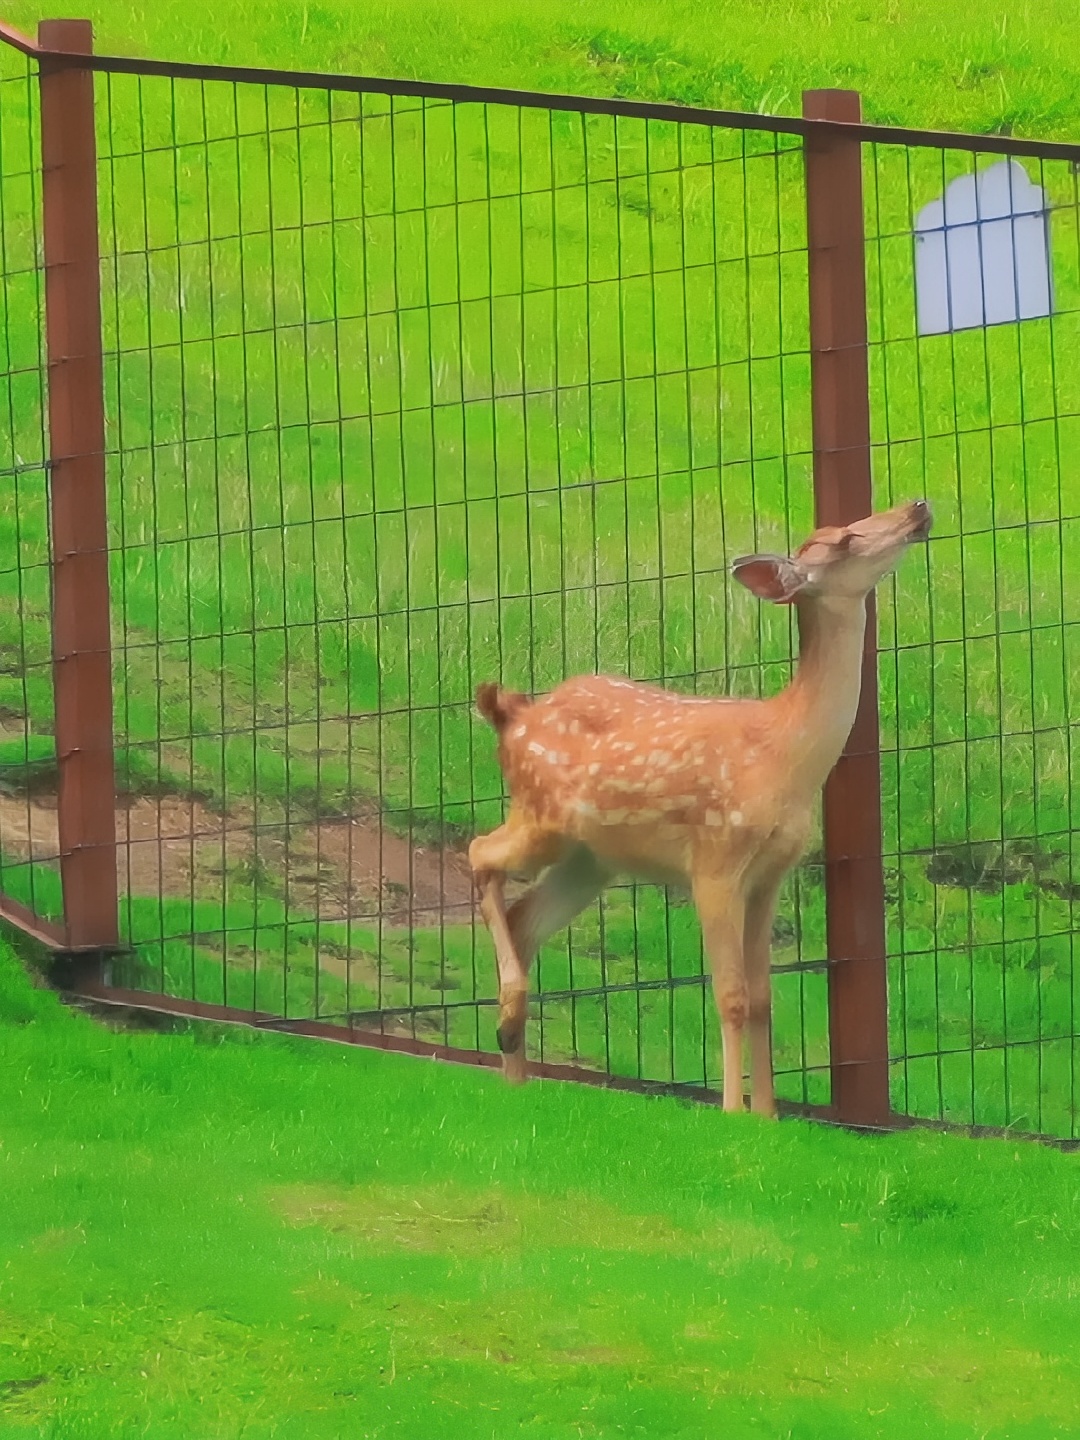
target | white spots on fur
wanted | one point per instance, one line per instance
(619, 786)
(630, 760)
(678, 802)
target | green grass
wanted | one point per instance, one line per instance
(358, 395)
(215, 1234)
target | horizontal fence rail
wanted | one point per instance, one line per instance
(411, 386)
(802, 125)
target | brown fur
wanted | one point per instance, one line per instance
(499, 706)
(608, 776)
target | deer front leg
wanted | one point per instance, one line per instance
(721, 910)
(512, 848)
(757, 950)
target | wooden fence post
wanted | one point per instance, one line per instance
(82, 650)
(854, 879)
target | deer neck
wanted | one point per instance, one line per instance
(823, 697)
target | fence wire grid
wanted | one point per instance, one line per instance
(979, 665)
(406, 393)
(29, 850)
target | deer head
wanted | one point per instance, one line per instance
(841, 561)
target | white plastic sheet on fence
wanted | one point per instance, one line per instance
(982, 253)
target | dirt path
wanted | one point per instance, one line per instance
(177, 847)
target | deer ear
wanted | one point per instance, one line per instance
(770, 577)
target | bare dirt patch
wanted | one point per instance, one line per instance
(175, 847)
(359, 867)
(449, 1219)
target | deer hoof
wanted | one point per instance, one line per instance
(513, 1010)
(510, 1036)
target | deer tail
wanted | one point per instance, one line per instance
(499, 706)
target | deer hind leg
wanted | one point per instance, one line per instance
(721, 910)
(514, 848)
(757, 949)
(560, 894)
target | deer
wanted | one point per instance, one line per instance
(613, 777)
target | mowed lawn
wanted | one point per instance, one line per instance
(219, 1234)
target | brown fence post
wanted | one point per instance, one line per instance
(82, 653)
(854, 881)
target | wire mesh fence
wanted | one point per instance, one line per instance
(979, 659)
(407, 391)
(405, 395)
(28, 846)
